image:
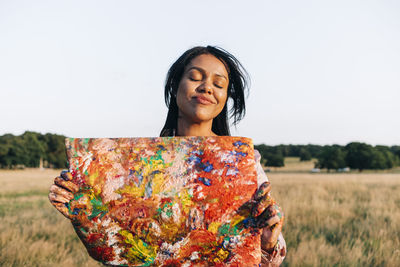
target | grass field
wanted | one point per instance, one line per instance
(331, 219)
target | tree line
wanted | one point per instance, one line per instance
(354, 155)
(32, 149)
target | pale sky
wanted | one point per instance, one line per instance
(322, 72)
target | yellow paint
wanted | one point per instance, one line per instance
(92, 178)
(186, 201)
(133, 190)
(213, 200)
(221, 255)
(169, 231)
(158, 181)
(213, 227)
(140, 251)
(237, 219)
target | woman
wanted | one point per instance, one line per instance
(197, 90)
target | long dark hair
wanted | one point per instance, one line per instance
(238, 83)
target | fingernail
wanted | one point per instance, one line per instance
(66, 175)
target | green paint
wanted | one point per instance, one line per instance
(224, 229)
(227, 230)
(165, 208)
(98, 208)
(78, 196)
(169, 213)
(85, 141)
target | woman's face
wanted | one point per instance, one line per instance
(202, 91)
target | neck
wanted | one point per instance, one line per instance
(186, 128)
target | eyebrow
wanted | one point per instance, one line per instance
(202, 71)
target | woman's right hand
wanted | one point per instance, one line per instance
(62, 192)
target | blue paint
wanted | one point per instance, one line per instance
(75, 211)
(139, 180)
(241, 154)
(207, 167)
(195, 159)
(205, 181)
(161, 147)
(148, 190)
(239, 143)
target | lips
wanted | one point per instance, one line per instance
(203, 100)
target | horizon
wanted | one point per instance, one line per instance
(285, 144)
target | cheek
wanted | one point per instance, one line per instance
(222, 98)
(184, 90)
(182, 100)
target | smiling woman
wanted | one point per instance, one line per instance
(197, 90)
(202, 75)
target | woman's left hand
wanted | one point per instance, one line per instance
(268, 216)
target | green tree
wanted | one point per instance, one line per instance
(34, 149)
(331, 157)
(55, 150)
(274, 160)
(305, 155)
(359, 155)
(28, 148)
(382, 158)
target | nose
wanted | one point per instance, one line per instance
(205, 87)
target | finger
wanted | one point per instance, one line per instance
(261, 205)
(269, 222)
(66, 175)
(57, 198)
(61, 208)
(275, 232)
(269, 240)
(263, 190)
(271, 215)
(61, 191)
(66, 184)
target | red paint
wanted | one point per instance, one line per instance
(201, 241)
(102, 253)
(94, 237)
(172, 263)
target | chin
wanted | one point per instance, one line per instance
(200, 116)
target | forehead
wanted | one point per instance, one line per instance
(208, 63)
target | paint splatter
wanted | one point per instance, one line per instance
(165, 201)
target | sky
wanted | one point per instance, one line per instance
(322, 72)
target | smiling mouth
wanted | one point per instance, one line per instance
(203, 100)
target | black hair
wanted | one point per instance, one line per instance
(238, 83)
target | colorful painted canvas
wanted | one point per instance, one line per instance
(165, 201)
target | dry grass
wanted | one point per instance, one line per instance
(331, 219)
(32, 232)
(293, 164)
(340, 219)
